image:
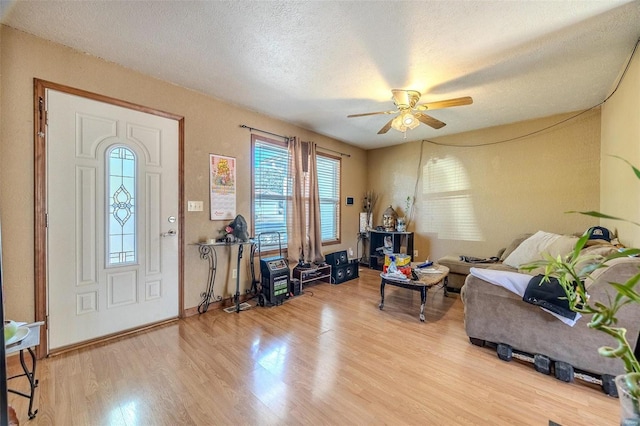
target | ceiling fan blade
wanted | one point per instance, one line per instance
(445, 104)
(430, 121)
(385, 128)
(372, 113)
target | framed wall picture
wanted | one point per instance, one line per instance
(222, 183)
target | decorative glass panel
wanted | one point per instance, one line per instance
(121, 166)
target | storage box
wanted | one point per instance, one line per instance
(401, 259)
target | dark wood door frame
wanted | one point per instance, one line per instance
(40, 195)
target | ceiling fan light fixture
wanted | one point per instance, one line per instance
(409, 120)
(406, 101)
(405, 121)
(398, 124)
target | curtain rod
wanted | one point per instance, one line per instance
(244, 126)
(286, 138)
(330, 150)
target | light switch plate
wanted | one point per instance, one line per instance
(195, 206)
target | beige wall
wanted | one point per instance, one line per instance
(619, 188)
(474, 201)
(211, 126)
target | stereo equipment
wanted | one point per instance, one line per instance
(275, 279)
(338, 258)
(340, 274)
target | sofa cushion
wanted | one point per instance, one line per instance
(457, 266)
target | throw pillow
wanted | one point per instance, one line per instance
(531, 249)
(514, 245)
(562, 246)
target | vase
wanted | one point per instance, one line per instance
(629, 405)
(402, 224)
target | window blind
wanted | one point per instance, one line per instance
(328, 169)
(271, 189)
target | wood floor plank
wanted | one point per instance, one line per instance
(329, 356)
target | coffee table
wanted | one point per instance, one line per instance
(425, 281)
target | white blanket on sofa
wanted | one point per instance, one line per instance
(516, 283)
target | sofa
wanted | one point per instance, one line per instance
(460, 265)
(495, 316)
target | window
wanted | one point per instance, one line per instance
(121, 193)
(329, 189)
(272, 192)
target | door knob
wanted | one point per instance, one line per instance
(171, 233)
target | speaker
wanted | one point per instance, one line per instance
(295, 286)
(338, 258)
(343, 273)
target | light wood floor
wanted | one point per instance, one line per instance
(329, 356)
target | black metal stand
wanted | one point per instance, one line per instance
(237, 296)
(208, 253)
(363, 238)
(31, 377)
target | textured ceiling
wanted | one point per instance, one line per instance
(312, 63)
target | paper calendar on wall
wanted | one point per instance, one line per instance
(222, 180)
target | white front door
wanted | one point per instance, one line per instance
(112, 191)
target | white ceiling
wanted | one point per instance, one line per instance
(311, 63)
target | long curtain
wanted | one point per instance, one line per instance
(296, 228)
(314, 252)
(304, 238)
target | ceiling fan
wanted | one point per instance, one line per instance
(410, 112)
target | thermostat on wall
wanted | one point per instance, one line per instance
(349, 201)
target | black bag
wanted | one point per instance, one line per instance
(239, 228)
(549, 294)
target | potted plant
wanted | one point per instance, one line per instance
(571, 272)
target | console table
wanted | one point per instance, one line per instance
(31, 341)
(208, 253)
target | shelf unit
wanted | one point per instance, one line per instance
(309, 275)
(402, 243)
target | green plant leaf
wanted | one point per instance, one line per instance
(627, 289)
(635, 170)
(603, 216)
(633, 281)
(623, 290)
(625, 253)
(590, 268)
(579, 245)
